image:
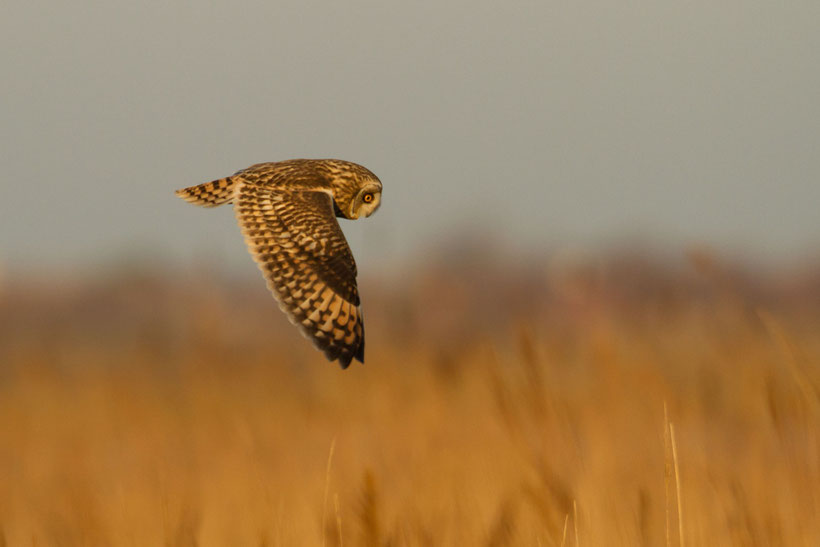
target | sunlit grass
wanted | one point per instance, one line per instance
(153, 412)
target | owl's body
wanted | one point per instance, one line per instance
(286, 211)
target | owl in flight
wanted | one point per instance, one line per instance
(286, 211)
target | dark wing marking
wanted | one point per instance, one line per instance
(294, 238)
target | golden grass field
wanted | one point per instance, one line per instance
(621, 403)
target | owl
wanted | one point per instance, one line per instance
(287, 213)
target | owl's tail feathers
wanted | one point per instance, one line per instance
(210, 194)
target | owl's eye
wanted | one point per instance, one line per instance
(368, 198)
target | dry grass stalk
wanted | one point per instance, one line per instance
(677, 483)
(564, 533)
(575, 523)
(338, 519)
(327, 485)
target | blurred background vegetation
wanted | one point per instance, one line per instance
(502, 403)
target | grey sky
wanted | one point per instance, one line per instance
(546, 123)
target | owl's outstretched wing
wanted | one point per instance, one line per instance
(295, 239)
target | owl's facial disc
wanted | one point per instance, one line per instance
(366, 201)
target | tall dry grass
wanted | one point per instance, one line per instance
(622, 403)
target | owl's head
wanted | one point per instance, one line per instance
(366, 200)
(357, 191)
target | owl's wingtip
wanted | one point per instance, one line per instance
(360, 350)
(345, 359)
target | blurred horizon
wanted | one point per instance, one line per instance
(458, 250)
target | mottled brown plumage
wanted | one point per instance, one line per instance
(286, 211)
